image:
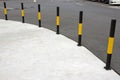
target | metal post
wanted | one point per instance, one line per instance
(58, 21)
(110, 44)
(5, 11)
(22, 13)
(39, 15)
(80, 26)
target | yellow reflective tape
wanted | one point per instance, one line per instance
(110, 45)
(5, 11)
(57, 20)
(22, 12)
(80, 28)
(39, 16)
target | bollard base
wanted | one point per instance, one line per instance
(57, 32)
(6, 18)
(108, 63)
(23, 19)
(79, 40)
(107, 68)
(39, 23)
(78, 44)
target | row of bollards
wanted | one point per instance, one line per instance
(80, 27)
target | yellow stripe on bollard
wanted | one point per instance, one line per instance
(57, 20)
(5, 11)
(80, 28)
(39, 16)
(110, 45)
(22, 12)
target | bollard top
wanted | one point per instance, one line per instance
(38, 7)
(81, 11)
(58, 11)
(113, 19)
(22, 5)
(4, 4)
(113, 26)
(57, 6)
(81, 17)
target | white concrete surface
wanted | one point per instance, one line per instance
(31, 53)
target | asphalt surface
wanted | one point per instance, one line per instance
(96, 22)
